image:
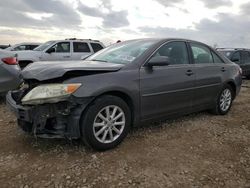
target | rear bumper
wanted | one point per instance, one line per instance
(57, 120)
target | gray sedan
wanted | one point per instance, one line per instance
(10, 77)
(125, 85)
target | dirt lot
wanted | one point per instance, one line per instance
(200, 150)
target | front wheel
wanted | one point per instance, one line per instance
(224, 101)
(106, 123)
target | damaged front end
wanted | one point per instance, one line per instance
(45, 104)
(49, 117)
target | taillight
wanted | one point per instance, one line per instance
(10, 60)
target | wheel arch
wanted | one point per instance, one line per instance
(121, 94)
(125, 97)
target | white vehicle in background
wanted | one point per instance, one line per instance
(60, 50)
(23, 46)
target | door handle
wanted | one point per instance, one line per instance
(189, 72)
(223, 69)
(67, 56)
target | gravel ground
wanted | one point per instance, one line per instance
(200, 150)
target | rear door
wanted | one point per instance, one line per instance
(80, 50)
(209, 73)
(61, 52)
(167, 89)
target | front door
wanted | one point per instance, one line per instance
(167, 89)
(61, 51)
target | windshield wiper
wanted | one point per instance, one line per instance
(98, 60)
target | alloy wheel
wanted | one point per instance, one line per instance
(109, 124)
(225, 99)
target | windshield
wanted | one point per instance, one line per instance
(122, 53)
(226, 53)
(43, 46)
(9, 48)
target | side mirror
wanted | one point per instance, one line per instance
(51, 50)
(158, 61)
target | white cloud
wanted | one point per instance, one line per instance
(110, 20)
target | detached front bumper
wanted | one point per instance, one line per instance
(21, 112)
(57, 120)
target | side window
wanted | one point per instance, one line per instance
(216, 58)
(248, 58)
(96, 47)
(62, 47)
(19, 48)
(175, 51)
(31, 47)
(81, 47)
(27, 47)
(201, 53)
(245, 57)
(236, 57)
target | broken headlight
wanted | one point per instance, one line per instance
(49, 93)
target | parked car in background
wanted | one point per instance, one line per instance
(241, 56)
(4, 46)
(60, 50)
(10, 77)
(124, 85)
(23, 46)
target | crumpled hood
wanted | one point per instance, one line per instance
(46, 70)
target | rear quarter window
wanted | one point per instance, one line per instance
(96, 47)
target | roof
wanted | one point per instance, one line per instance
(232, 49)
(82, 39)
(28, 43)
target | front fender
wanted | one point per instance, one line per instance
(126, 82)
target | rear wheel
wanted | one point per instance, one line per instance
(106, 123)
(224, 101)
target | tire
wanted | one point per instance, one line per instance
(97, 130)
(226, 94)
